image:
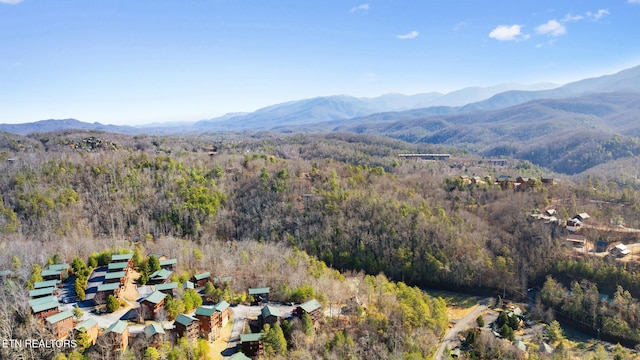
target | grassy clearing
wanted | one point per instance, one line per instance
(458, 305)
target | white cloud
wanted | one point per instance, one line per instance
(362, 7)
(508, 33)
(634, 1)
(459, 25)
(551, 28)
(600, 13)
(412, 35)
(11, 2)
(570, 17)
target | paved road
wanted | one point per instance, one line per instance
(451, 337)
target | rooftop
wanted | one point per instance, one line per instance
(155, 297)
(257, 291)
(222, 306)
(202, 276)
(168, 286)
(86, 325)
(153, 329)
(108, 287)
(251, 337)
(53, 319)
(185, 320)
(44, 306)
(117, 266)
(205, 311)
(60, 267)
(310, 305)
(117, 327)
(42, 291)
(121, 257)
(270, 311)
(50, 272)
(239, 356)
(161, 274)
(43, 300)
(168, 262)
(45, 284)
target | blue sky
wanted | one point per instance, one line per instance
(143, 61)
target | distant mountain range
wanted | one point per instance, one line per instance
(568, 128)
(64, 124)
(342, 107)
(293, 113)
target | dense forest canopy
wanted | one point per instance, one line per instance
(346, 199)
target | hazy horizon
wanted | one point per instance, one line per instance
(134, 63)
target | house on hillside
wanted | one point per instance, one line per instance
(152, 305)
(43, 292)
(506, 182)
(582, 216)
(201, 279)
(159, 277)
(63, 268)
(49, 274)
(118, 267)
(573, 225)
(61, 324)
(188, 285)
(169, 288)
(576, 240)
(44, 307)
(103, 292)
(311, 307)
(224, 309)
(154, 334)
(270, 315)
(620, 250)
(118, 335)
(119, 277)
(46, 284)
(252, 345)
(123, 258)
(259, 295)
(89, 327)
(210, 322)
(168, 264)
(187, 326)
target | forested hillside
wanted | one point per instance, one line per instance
(348, 200)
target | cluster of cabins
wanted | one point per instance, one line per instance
(206, 322)
(572, 225)
(506, 181)
(252, 343)
(44, 301)
(115, 280)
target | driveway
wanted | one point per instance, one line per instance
(241, 313)
(450, 339)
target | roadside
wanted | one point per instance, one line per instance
(450, 339)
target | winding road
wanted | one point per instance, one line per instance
(451, 337)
